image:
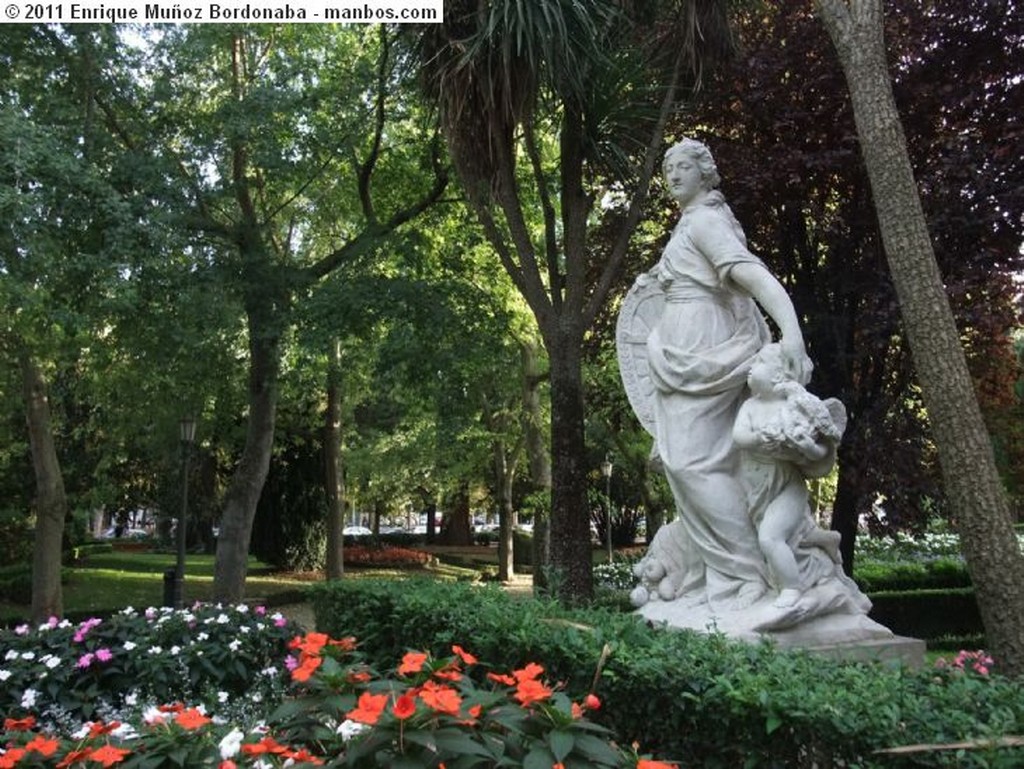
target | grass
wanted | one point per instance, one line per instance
(106, 582)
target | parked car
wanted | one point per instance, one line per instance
(356, 531)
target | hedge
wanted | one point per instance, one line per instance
(701, 700)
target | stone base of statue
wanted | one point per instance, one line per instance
(839, 635)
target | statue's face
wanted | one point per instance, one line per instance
(683, 177)
(765, 372)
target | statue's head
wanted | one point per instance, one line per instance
(701, 155)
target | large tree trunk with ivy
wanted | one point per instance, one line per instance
(977, 499)
(51, 502)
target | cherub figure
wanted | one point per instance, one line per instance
(786, 435)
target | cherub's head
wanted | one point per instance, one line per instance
(768, 370)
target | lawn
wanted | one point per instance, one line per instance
(107, 582)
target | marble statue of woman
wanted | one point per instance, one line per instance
(687, 334)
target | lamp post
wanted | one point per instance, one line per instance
(187, 427)
(606, 471)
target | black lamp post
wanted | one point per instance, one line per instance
(606, 471)
(187, 427)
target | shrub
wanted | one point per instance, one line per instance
(67, 672)
(700, 699)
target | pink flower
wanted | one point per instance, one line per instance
(260, 610)
(85, 660)
(280, 621)
(290, 662)
(104, 655)
(21, 630)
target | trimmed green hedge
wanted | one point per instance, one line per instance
(701, 700)
(877, 576)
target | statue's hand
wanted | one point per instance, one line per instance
(799, 365)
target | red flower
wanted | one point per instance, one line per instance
(311, 644)
(559, 765)
(19, 724)
(10, 759)
(448, 674)
(464, 655)
(346, 644)
(74, 757)
(43, 745)
(368, 709)
(502, 679)
(442, 699)
(412, 662)
(643, 763)
(576, 710)
(528, 673)
(529, 691)
(404, 707)
(265, 745)
(306, 669)
(358, 676)
(108, 755)
(304, 756)
(228, 764)
(191, 719)
(591, 702)
(99, 728)
(176, 707)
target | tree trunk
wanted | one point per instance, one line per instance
(976, 496)
(537, 457)
(844, 508)
(51, 502)
(333, 478)
(456, 525)
(571, 559)
(246, 484)
(503, 477)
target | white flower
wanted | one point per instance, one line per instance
(154, 650)
(4, 675)
(231, 744)
(153, 715)
(242, 608)
(82, 733)
(28, 699)
(235, 645)
(174, 650)
(256, 697)
(222, 619)
(222, 697)
(131, 699)
(244, 629)
(50, 661)
(28, 655)
(129, 645)
(203, 637)
(125, 732)
(349, 729)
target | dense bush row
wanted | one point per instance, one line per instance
(704, 701)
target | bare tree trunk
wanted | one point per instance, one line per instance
(571, 558)
(333, 477)
(503, 489)
(51, 502)
(537, 457)
(246, 484)
(976, 495)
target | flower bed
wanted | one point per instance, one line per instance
(430, 712)
(361, 555)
